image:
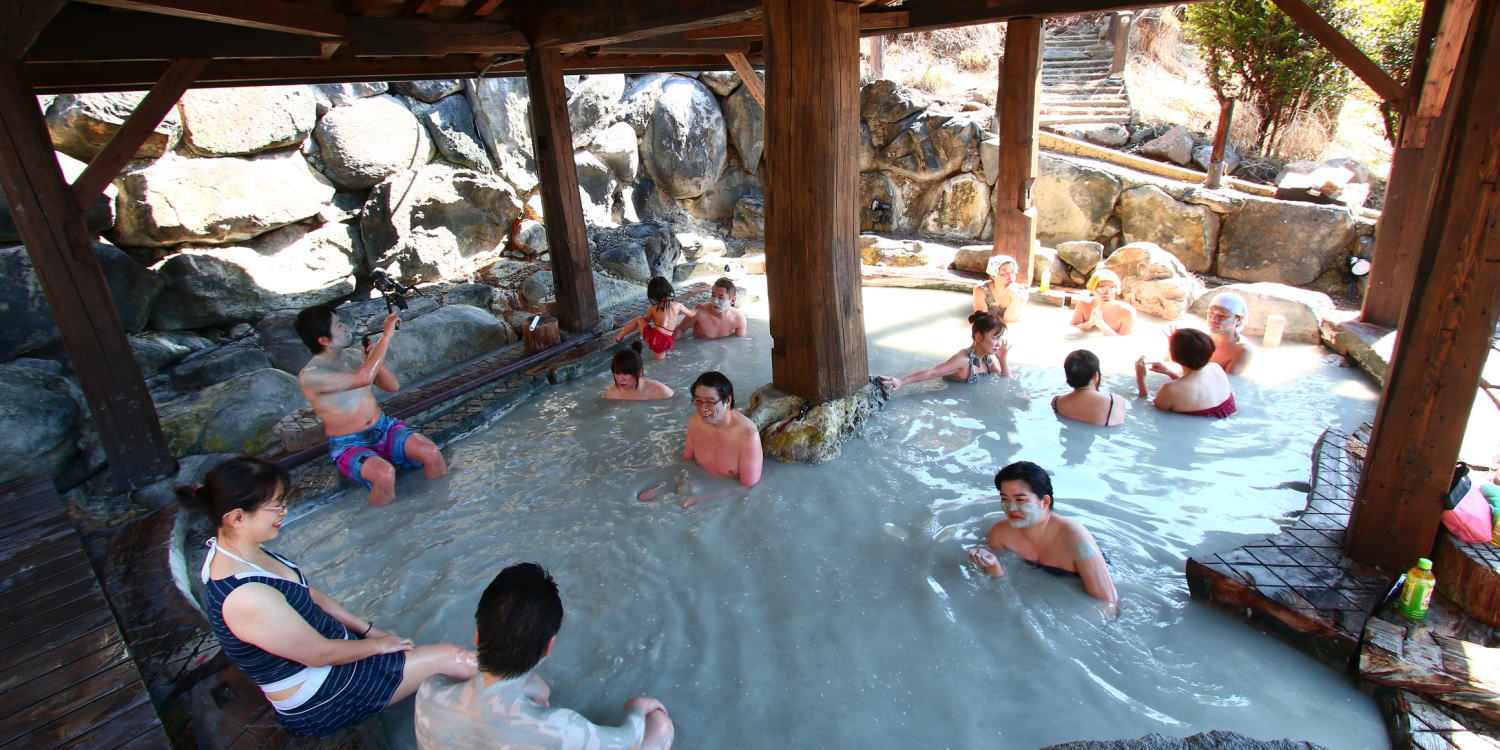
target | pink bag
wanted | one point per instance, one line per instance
(1471, 520)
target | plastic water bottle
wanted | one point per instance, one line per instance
(1046, 279)
(1416, 595)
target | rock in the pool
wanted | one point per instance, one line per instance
(814, 437)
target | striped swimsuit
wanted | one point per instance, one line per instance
(331, 697)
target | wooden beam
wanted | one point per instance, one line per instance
(478, 9)
(357, 8)
(1444, 337)
(673, 44)
(270, 15)
(552, 139)
(883, 22)
(83, 34)
(21, 21)
(106, 165)
(1016, 109)
(748, 77)
(818, 349)
(390, 37)
(1377, 79)
(573, 24)
(1457, 16)
(419, 8)
(62, 254)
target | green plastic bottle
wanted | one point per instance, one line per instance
(1416, 595)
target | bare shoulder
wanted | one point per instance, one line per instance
(744, 428)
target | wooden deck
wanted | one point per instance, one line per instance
(66, 676)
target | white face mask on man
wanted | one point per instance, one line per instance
(722, 305)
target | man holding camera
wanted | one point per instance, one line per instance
(364, 443)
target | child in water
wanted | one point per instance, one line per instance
(630, 381)
(1043, 539)
(658, 326)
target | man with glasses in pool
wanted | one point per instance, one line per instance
(364, 443)
(723, 441)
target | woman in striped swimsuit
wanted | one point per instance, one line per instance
(322, 667)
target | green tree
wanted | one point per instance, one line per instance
(1253, 52)
(1387, 32)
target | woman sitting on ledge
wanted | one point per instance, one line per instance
(322, 667)
(1087, 403)
(986, 357)
(1001, 296)
(1203, 390)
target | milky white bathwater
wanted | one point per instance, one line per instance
(833, 606)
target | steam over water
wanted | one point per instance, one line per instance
(834, 606)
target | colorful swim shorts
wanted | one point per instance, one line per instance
(386, 439)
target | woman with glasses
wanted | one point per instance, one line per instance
(321, 666)
(1000, 296)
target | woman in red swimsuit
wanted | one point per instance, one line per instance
(1203, 390)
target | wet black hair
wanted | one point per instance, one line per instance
(1191, 348)
(658, 289)
(1080, 367)
(240, 483)
(725, 283)
(314, 323)
(1034, 476)
(720, 384)
(519, 613)
(628, 361)
(983, 323)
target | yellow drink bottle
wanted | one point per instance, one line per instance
(1416, 595)
(1046, 279)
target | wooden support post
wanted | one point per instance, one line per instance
(812, 195)
(552, 137)
(1445, 329)
(1221, 139)
(1016, 113)
(877, 57)
(20, 23)
(62, 252)
(106, 165)
(748, 77)
(1121, 39)
(1344, 50)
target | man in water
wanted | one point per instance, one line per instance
(507, 705)
(1042, 538)
(1227, 315)
(364, 443)
(720, 439)
(1104, 313)
(719, 317)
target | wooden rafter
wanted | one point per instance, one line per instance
(21, 21)
(271, 15)
(357, 7)
(419, 8)
(121, 148)
(480, 8)
(1457, 17)
(406, 37)
(883, 22)
(1376, 78)
(673, 44)
(748, 77)
(575, 24)
(84, 34)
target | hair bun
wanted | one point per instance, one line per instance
(636, 345)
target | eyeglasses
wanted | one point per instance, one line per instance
(277, 508)
(710, 403)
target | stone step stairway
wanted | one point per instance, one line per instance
(1077, 88)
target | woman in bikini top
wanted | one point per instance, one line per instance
(1203, 390)
(1086, 401)
(987, 356)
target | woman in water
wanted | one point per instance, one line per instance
(1105, 313)
(1087, 403)
(1203, 390)
(321, 666)
(987, 356)
(658, 326)
(1001, 296)
(631, 384)
(1042, 538)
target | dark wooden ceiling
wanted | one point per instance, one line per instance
(102, 45)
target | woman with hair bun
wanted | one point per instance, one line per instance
(988, 356)
(1203, 390)
(321, 666)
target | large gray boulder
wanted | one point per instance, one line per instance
(369, 140)
(502, 109)
(627, 261)
(717, 203)
(962, 208)
(234, 416)
(618, 147)
(450, 124)
(1282, 241)
(293, 267)
(216, 365)
(721, 82)
(1190, 232)
(99, 217)
(1203, 156)
(933, 146)
(81, 124)
(28, 317)
(1083, 255)
(444, 338)
(887, 101)
(333, 95)
(608, 291)
(592, 105)
(662, 249)
(684, 146)
(216, 201)
(989, 159)
(531, 240)
(1174, 145)
(747, 126)
(437, 222)
(749, 218)
(1154, 280)
(596, 188)
(41, 422)
(1073, 201)
(235, 121)
(638, 103)
(157, 350)
(1303, 309)
(429, 91)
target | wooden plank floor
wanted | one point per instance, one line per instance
(66, 676)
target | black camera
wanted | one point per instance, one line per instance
(392, 291)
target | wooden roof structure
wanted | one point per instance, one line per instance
(1436, 271)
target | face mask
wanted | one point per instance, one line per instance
(1031, 514)
(1223, 324)
(721, 305)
